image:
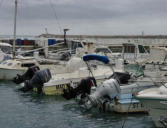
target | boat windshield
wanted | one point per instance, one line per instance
(129, 49)
(141, 49)
(135, 69)
(74, 46)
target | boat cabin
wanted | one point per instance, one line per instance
(134, 51)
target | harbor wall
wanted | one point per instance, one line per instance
(146, 40)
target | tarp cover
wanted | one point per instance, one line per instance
(103, 59)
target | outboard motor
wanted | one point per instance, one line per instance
(83, 88)
(65, 56)
(121, 77)
(27, 75)
(40, 77)
(109, 88)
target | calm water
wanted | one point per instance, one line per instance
(19, 110)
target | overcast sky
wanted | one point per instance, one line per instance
(90, 17)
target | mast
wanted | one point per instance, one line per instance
(14, 34)
(65, 40)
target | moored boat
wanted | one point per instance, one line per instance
(98, 71)
(10, 68)
(155, 100)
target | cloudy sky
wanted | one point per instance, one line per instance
(90, 17)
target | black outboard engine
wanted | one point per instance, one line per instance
(121, 77)
(65, 56)
(27, 75)
(40, 77)
(83, 88)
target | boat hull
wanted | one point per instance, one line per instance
(125, 105)
(56, 88)
(157, 110)
(125, 102)
(9, 74)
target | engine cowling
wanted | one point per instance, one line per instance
(109, 88)
(83, 88)
(40, 77)
(27, 75)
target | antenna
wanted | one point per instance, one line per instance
(46, 30)
(65, 31)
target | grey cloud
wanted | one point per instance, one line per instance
(115, 16)
(92, 9)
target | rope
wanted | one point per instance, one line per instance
(89, 69)
(55, 14)
(154, 81)
(123, 124)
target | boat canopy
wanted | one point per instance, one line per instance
(103, 59)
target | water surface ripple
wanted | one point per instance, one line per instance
(29, 110)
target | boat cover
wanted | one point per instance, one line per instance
(103, 59)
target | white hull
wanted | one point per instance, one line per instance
(157, 110)
(155, 100)
(125, 101)
(56, 87)
(9, 74)
(60, 81)
(127, 105)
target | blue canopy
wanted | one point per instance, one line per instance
(103, 59)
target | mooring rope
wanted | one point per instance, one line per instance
(124, 121)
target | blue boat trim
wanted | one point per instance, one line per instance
(127, 99)
(103, 59)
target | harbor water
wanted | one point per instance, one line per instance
(29, 110)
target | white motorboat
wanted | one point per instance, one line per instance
(75, 71)
(125, 102)
(60, 81)
(118, 96)
(10, 68)
(155, 100)
(19, 66)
